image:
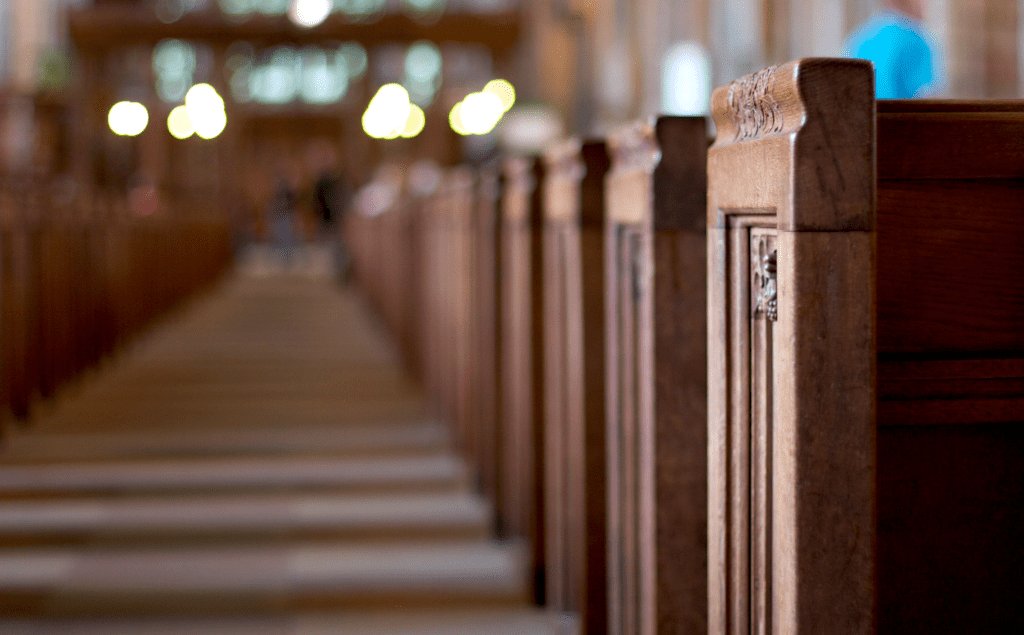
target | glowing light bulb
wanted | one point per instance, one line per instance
(481, 112)
(415, 122)
(309, 13)
(179, 124)
(127, 118)
(503, 90)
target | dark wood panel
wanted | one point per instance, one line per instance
(949, 257)
(105, 27)
(680, 177)
(941, 145)
(950, 521)
(955, 106)
(680, 406)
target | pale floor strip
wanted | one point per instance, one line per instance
(414, 622)
(419, 436)
(259, 513)
(232, 473)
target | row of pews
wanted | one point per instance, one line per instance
(76, 285)
(774, 384)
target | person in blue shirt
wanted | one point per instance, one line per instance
(903, 53)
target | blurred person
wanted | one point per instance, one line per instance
(326, 198)
(281, 218)
(902, 50)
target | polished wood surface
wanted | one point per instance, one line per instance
(657, 378)
(944, 470)
(576, 476)
(791, 498)
(487, 335)
(950, 366)
(524, 392)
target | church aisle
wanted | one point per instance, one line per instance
(257, 464)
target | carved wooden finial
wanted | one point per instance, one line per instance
(814, 118)
(563, 159)
(755, 112)
(634, 147)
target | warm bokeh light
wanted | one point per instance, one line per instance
(179, 124)
(481, 112)
(415, 122)
(503, 90)
(309, 13)
(211, 123)
(387, 113)
(205, 110)
(455, 120)
(202, 97)
(128, 118)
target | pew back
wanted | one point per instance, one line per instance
(574, 358)
(656, 388)
(486, 348)
(791, 351)
(522, 337)
(795, 409)
(950, 366)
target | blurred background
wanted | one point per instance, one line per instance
(296, 78)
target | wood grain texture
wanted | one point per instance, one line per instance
(522, 332)
(575, 370)
(487, 352)
(791, 402)
(951, 366)
(657, 390)
(816, 109)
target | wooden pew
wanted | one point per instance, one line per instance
(486, 334)
(449, 309)
(458, 250)
(522, 373)
(75, 287)
(657, 378)
(790, 339)
(927, 294)
(574, 370)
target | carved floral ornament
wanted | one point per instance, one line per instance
(765, 281)
(752, 104)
